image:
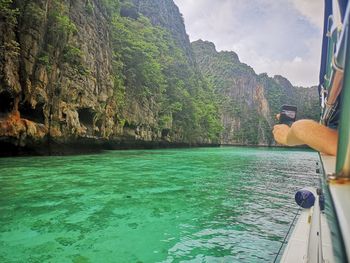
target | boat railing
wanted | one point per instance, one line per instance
(314, 250)
(336, 89)
(343, 154)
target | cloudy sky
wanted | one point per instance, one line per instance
(274, 36)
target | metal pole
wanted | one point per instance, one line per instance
(343, 154)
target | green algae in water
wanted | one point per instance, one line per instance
(194, 205)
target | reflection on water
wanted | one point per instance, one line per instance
(194, 205)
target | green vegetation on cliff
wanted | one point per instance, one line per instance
(8, 13)
(111, 69)
(152, 68)
(124, 70)
(249, 102)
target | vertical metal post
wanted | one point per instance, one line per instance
(343, 154)
(314, 250)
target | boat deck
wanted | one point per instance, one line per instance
(297, 249)
(340, 192)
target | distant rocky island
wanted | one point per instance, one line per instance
(123, 73)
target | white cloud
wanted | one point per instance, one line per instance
(278, 37)
(301, 71)
(297, 60)
(312, 9)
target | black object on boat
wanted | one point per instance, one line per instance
(304, 198)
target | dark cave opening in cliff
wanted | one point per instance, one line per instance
(165, 132)
(7, 103)
(32, 114)
(86, 117)
(130, 126)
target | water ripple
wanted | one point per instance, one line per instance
(188, 205)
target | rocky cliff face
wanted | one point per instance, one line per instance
(249, 102)
(62, 76)
(166, 14)
(124, 71)
(56, 71)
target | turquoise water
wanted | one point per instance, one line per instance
(178, 205)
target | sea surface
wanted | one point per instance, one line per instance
(229, 204)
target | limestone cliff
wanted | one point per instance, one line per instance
(92, 69)
(118, 73)
(56, 70)
(249, 101)
(165, 13)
